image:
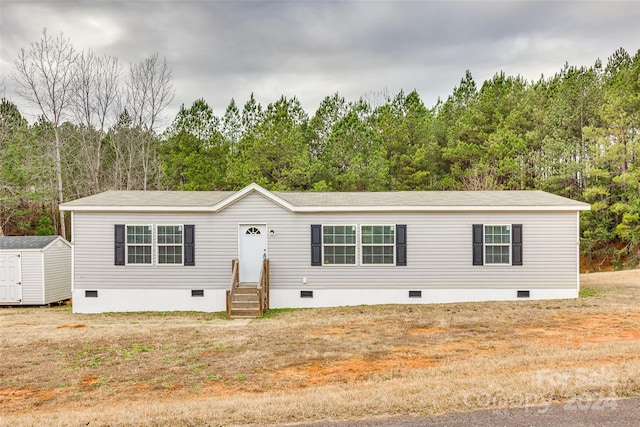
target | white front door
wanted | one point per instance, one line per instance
(10, 277)
(252, 250)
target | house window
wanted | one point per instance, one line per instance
(378, 243)
(497, 244)
(175, 244)
(139, 242)
(339, 244)
(169, 244)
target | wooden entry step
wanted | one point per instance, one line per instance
(245, 301)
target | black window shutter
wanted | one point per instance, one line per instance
(401, 245)
(316, 245)
(189, 245)
(478, 236)
(516, 244)
(120, 242)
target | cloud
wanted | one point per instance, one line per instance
(221, 50)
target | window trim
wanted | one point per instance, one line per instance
(392, 245)
(355, 245)
(318, 246)
(126, 246)
(157, 246)
(485, 245)
(121, 247)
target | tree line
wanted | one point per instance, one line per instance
(574, 134)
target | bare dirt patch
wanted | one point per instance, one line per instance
(77, 326)
(427, 331)
(303, 365)
(348, 371)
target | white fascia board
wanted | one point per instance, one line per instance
(136, 208)
(308, 209)
(440, 208)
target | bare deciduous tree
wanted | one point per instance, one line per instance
(125, 141)
(45, 79)
(149, 91)
(95, 92)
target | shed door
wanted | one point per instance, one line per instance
(10, 277)
(252, 250)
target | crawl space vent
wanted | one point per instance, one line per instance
(91, 294)
(197, 292)
(415, 294)
(523, 294)
(306, 294)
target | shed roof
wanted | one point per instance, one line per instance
(26, 242)
(326, 201)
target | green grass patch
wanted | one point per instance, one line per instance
(277, 311)
(587, 292)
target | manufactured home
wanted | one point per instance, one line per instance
(173, 250)
(34, 270)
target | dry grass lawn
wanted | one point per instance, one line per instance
(304, 365)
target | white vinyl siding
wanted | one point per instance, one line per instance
(32, 277)
(57, 272)
(439, 250)
(94, 266)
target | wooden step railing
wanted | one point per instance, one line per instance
(242, 293)
(263, 287)
(235, 281)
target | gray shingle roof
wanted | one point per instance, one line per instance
(428, 198)
(153, 198)
(26, 242)
(411, 200)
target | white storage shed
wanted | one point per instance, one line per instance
(34, 270)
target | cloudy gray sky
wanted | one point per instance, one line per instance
(220, 50)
